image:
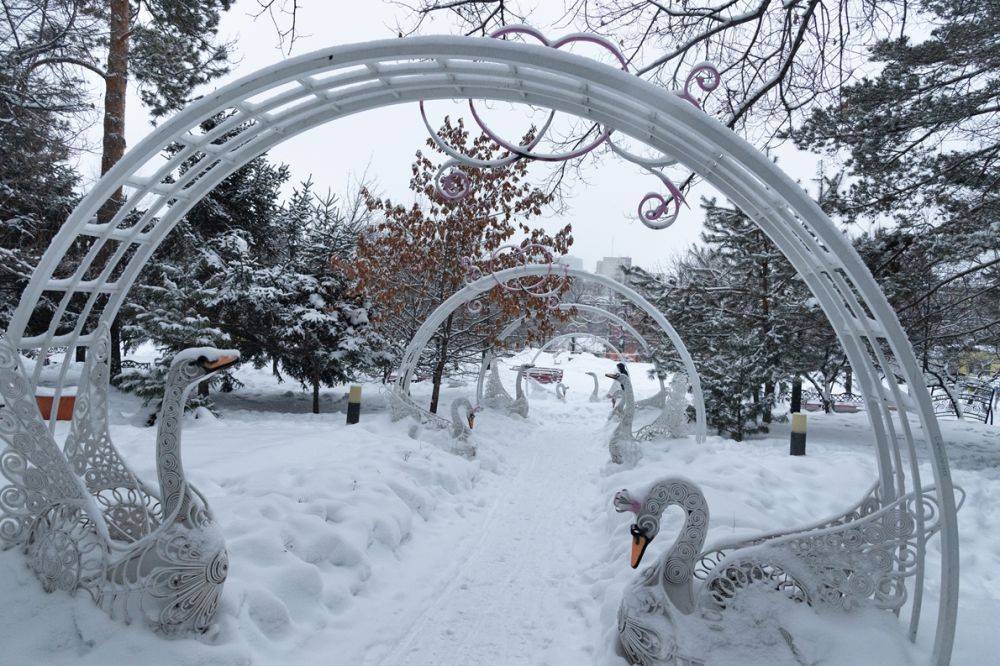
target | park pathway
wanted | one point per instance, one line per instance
(509, 585)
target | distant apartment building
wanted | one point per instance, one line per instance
(571, 262)
(613, 267)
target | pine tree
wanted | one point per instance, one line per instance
(921, 143)
(322, 335)
(743, 314)
(198, 289)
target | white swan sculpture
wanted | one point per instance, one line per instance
(672, 421)
(561, 390)
(86, 522)
(495, 395)
(520, 404)
(461, 426)
(856, 559)
(595, 395)
(622, 445)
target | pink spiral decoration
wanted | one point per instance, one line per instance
(655, 210)
(706, 76)
(654, 217)
(535, 288)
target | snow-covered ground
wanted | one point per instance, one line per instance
(374, 544)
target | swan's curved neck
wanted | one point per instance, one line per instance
(677, 564)
(597, 386)
(456, 410)
(169, 470)
(628, 406)
(519, 387)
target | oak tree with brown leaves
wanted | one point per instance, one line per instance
(416, 256)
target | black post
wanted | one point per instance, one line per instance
(796, 395)
(797, 447)
(354, 404)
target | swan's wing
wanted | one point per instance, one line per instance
(711, 556)
(864, 561)
(653, 401)
(88, 447)
(130, 506)
(35, 471)
(495, 394)
(403, 405)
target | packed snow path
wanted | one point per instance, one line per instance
(513, 588)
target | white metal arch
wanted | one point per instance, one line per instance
(582, 307)
(566, 336)
(291, 97)
(478, 287)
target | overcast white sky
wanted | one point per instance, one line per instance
(601, 210)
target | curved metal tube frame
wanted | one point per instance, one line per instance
(279, 102)
(568, 336)
(478, 287)
(582, 307)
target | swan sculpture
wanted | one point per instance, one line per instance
(520, 404)
(672, 420)
(461, 426)
(495, 395)
(657, 400)
(855, 559)
(622, 445)
(136, 551)
(595, 395)
(561, 390)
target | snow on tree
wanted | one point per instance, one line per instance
(741, 310)
(322, 335)
(189, 294)
(920, 141)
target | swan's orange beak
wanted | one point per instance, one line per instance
(221, 362)
(639, 544)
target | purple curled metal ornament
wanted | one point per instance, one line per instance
(579, 37)
(706, 76)
(655, 210)
(534, 288)
(655, 217)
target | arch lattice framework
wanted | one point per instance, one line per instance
(611, 317)
(476, 288)
(293, 96)
(563, 337)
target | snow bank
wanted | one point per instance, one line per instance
(309, 508)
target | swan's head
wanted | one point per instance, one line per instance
(199, 363)
(470, 416)
(620, 373)
(645, 527)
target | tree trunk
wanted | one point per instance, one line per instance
(203, 389)
(440, 365)
(315, 385)
(116, 349)
(849, 379)
(768, 401)
(113, 141)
